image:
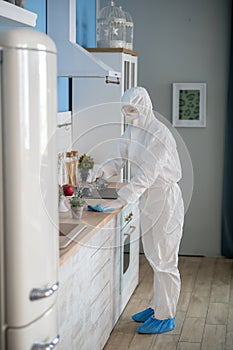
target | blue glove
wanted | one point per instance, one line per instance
(99, 208)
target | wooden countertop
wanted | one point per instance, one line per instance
(94, 221)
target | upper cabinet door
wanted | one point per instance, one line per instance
(15, 16)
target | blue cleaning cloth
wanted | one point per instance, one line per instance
(98, 207)
(154, 326)
(143, 315)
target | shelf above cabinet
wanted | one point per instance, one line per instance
(111, 49)
(15, 16)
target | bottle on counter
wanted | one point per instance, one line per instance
(75, 165)
(70, 168)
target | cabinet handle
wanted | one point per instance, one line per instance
(133, 228)
(40, 293)
(44, 346)
(108, 81)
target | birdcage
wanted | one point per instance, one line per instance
(129, 28)
(111, 27)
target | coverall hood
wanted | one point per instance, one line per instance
(139, 98)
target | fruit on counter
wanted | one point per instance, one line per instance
(68, 190)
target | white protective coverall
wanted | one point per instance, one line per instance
(151, 150)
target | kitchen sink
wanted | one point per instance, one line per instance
(106, 193)
(65, 228)
(68, 232)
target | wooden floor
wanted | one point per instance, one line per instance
(204, 318)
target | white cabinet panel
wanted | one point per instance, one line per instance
(86, 283)
(102, 329)
(15, 16)
(65, 305)
(93, 91)
(100, 303)
(64, 132)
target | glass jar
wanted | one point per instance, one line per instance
(111, 29)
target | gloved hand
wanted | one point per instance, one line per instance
(98, 173)
(115, 204)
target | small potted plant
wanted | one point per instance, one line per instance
(77, 202)
(85, 166)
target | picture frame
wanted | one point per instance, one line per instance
(189, 104)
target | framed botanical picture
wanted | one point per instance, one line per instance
(189, 104)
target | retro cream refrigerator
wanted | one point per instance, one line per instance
(28, 186)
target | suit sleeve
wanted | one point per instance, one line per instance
(118, 159)
(146, 174)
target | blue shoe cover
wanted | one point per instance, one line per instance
(143, 315)
(154, 326)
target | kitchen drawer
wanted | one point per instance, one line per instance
(82, 341)
(100, 303)
(99, 260)
(100, 238)
(96, 337)
(100, 280)
(102, 328)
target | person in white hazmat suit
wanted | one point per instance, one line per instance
(151, 150)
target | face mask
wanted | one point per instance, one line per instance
(134, 122)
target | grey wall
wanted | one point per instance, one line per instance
(188, 41)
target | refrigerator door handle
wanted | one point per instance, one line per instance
(44, 346)
(40, 293)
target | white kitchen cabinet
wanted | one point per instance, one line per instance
(15, 16)
(64, 132)
(84, 300)
(97, 120)
(93, 289)
(93, 91)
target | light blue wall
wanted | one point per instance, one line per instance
(86, 29)
(38, 7)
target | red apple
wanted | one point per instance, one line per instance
(68, 190)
